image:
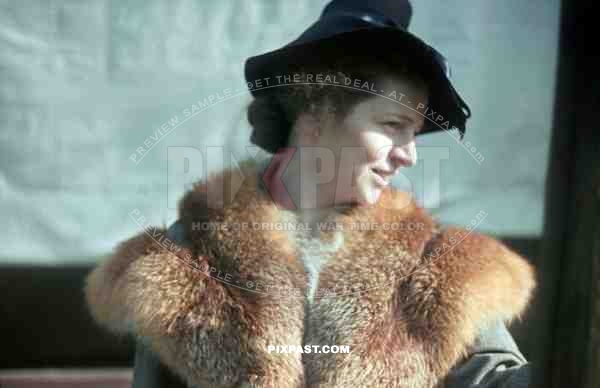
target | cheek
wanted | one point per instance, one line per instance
(358, 153)
(373, 143)
(365, 151)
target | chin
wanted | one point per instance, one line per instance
(368, 195)
(365, 194)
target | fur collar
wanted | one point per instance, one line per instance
(408, 301)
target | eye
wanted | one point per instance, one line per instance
(397, 125)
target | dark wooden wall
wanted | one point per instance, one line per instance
(44, 321)
(566, 338)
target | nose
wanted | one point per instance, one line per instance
(404, 156)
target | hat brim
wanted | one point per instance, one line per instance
(446, 110)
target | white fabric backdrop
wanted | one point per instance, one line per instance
(85, 83)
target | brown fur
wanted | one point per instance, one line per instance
(408, 315)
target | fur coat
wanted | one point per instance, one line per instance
(408, 301)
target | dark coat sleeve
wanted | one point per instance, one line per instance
(150, 372)
(494, 362)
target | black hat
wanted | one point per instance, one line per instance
(374, 29)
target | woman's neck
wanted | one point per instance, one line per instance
(314, 218)
(310, 210)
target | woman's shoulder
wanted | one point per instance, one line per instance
(176, 233)
(222, 187)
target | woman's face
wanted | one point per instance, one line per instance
(360, 154)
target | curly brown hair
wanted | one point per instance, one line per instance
(273, 112)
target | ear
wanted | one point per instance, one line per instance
(306, 129)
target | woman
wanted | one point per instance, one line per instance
(418, 305)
